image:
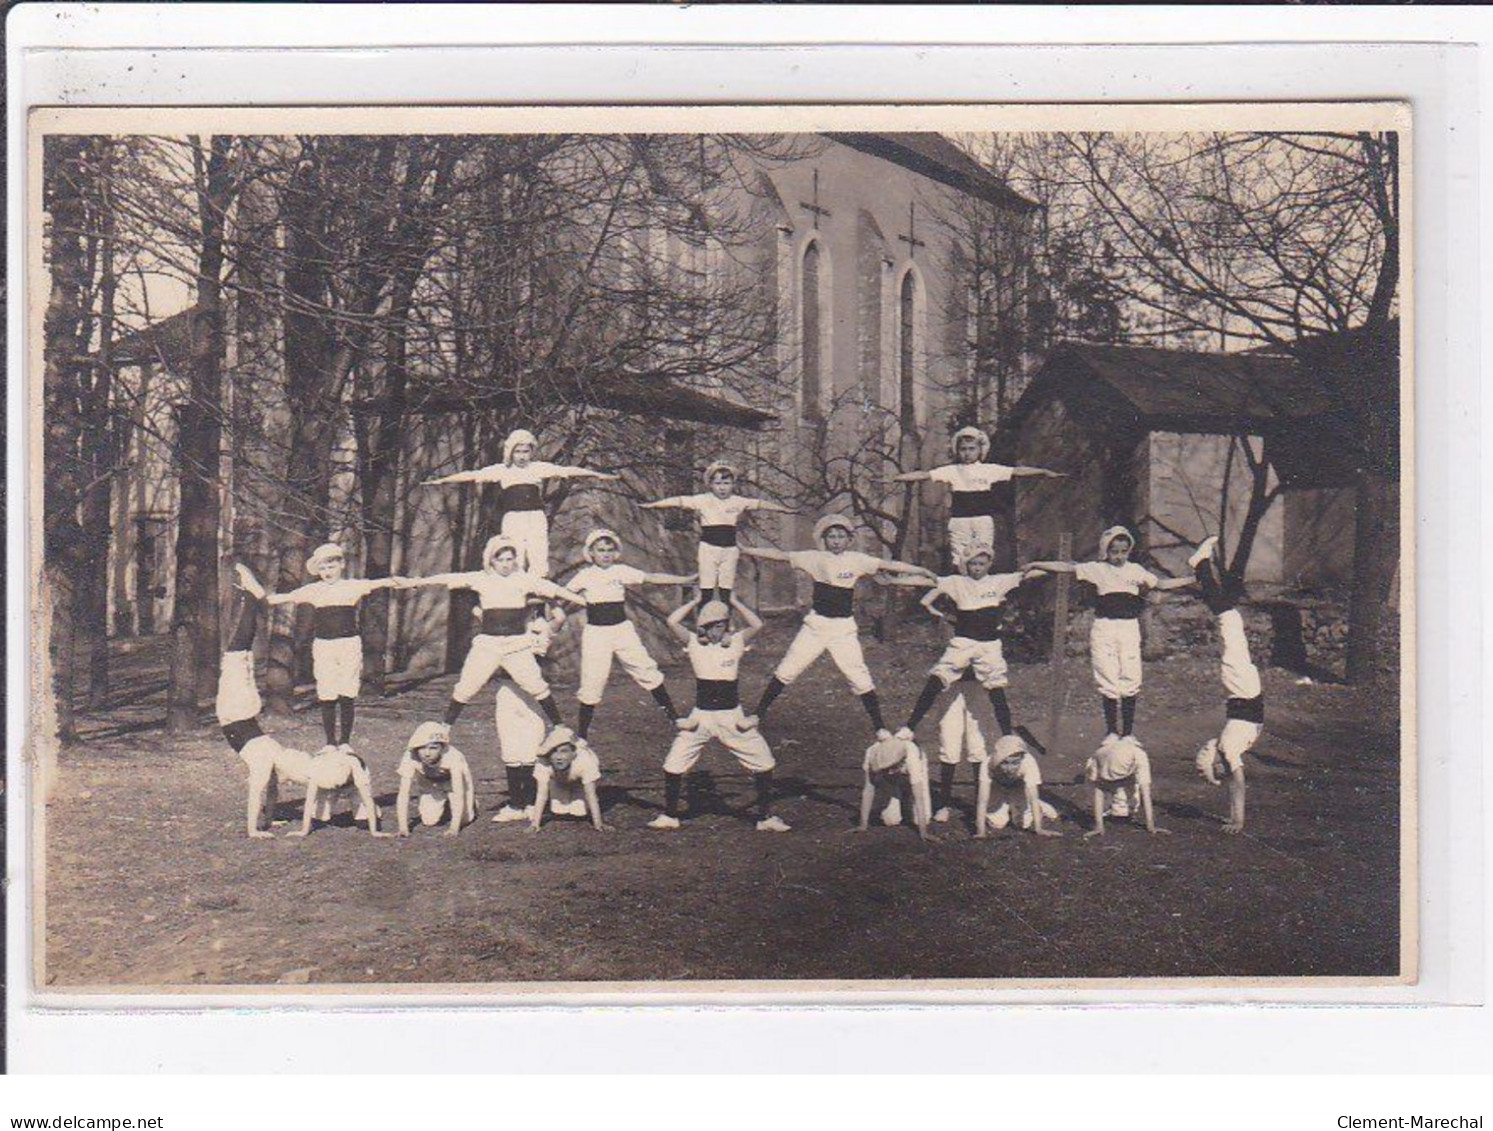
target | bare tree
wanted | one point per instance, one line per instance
(64, 179)
(1284, 239)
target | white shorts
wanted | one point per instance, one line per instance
(338, 667)
(1114, 650)
(840, 637)
(986, 656)
(520, 728)
(967, 532)
(262, 752)
(750, 747)
(600, 645)
(488, 654)
(238, 696)
(1236, 740)
(960, 736)
(718, 566)
(531, 530)
(431, 804)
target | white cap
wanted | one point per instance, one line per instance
(1008, 746)
(560, 736)
(712, 612)
(1209, 761)
(976, 434)
(598, 535)
(326, 552)
(722, 465)
(495, 544)
(426, 733)
(1111, 534)
(887, 754)
(979, 548)
(829, 522)
(515, 438)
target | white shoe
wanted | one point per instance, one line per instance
(892, 814)
(942, 816)
(1203, 552)
(905, 734)
(508, 814)
(664, 821)
(576, 808)
(1048, 814)
(1120, 806)
(1001, 817)
(690, 721)
(883, 734)
(345, 748)
(747, 723)
(773, 825)
(329, 748)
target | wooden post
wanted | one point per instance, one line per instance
(1056, 662)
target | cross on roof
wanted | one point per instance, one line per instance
(814, 208)
(911, 239)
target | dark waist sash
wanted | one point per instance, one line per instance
(716, 694)
(718, 535)
(970, 504)
(606, 613)
(241, 733)
(1119, 606)
(1246, 710)
(833, 600)
(505, 622)
(978, 624)
(333, 622)
(523, 497)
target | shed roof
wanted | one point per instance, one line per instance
(664, 395)
(935, 156)
(1182, 390)
(636, 393)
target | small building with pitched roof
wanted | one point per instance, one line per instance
(1179, 444)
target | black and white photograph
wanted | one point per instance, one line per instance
(691, 548)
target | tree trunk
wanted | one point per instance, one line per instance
(63, 536)
(1376, 554)
(380, 479)
(100, 454)
(302, 514)
(195, 636)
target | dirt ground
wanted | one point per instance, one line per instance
(150, 879)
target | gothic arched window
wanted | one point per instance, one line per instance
(812, 335)
(907, 356)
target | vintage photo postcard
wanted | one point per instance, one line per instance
(680, 549)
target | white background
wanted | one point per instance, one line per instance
(1439, 78)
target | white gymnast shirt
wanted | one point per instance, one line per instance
(606, 585)
(835, 576)
(716, 511)
(840, 570)
(988, 591)
(330, 594)
(716, 662)
(512, 592)
(585, 768)
(972, 476)
(1106, 578)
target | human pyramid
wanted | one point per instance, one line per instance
(552, 769)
